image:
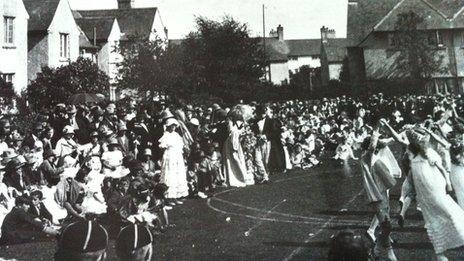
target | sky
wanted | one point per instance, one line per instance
(300, 18)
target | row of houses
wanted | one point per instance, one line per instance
(37, 33)
(288, 56)
(373, 55)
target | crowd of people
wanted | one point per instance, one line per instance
(125, 165)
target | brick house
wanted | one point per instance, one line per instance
(53, 35)
(13, 43)
(373, 55)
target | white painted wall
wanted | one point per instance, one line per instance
(334, 71)
(279, 72)
(312, 62)
(13, 58)
(63, 22)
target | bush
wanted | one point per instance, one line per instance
(53, 86)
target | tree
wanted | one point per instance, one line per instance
(56, 85)
(418, 57)
(222, 60)
(148, 66)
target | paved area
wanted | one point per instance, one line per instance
(290, 219)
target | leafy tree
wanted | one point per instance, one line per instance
(56, 85)
(306, 79)
(148, 66)
(222, 60)
(418, 58)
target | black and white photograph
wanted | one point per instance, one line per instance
(286, 130)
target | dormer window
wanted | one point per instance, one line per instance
(8, 23)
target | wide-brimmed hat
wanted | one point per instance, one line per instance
(8, 155)
(172, 121)
(216, 107)
(195, 122)
(16, 163)
(71, 109)
(166, 114)
(147, 152)
(68, 130)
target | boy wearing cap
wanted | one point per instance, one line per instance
(82, 240)
(135, 243)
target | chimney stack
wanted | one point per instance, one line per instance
(327, 34)
(280, 32)
(126, 4)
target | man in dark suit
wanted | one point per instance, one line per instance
(33, 138)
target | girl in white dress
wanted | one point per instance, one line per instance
(457, 173)
(173, 170)
(94, 202)
(112, 161)
(442, 215)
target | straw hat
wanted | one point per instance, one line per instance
(195, 122)
(172, 121)
(68, 130)
(147, 152)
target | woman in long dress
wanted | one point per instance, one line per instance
(442, 215)
(173, 169)
(457, 173)
(234, 158)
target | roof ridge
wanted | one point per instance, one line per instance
(112, 9)
(458, 13)
(435, 9)
(387, 15)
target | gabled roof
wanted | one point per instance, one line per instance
(102, 27)
(41, 13)
(132, 21)
(447, 7)
(365, 16)
(433, 18)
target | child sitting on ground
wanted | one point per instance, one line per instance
(344, 153)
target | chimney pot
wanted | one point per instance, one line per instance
(280, 32)
(126, 4)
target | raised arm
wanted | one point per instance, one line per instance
(395, 134)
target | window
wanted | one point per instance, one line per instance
(392, 40)
(8, 22)
(64, 45)
(435, 38)
(7, 77)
